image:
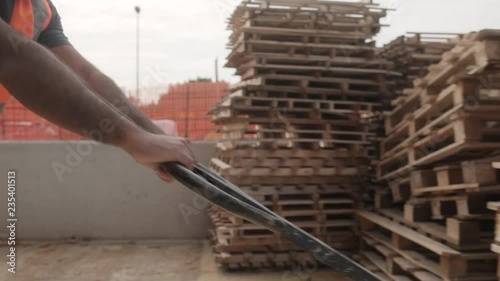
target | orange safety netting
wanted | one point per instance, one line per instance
(186, 104)
(19, 123)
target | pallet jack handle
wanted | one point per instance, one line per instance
(229, 197)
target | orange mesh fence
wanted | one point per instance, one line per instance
(20, 124)
(186, 104)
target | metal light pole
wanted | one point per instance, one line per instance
(138, 11)
(216, 70)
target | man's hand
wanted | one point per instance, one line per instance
(152, 150)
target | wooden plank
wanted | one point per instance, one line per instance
(495, 248)
(427, 276)
(406, 265)
(337, 70)
(375, 259)
(409, 234)
(494, 206)
(455, 187)
(305, 32)
(463, 267)
(462, 235)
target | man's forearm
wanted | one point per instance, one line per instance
(47, 87)
(107, 89)
(102, 85)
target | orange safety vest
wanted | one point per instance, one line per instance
(30, 17)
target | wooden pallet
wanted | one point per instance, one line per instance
(451, 137)
(297, 35)
(414, 52)
(306, 223)
(296, 158)
(295, 7)
(247, 260)
(287, 92)
(469, 176)
(312, 83)
(465, 206)
(475, 55)
(316, 203)
(224, 114)
(408, 118)
(472, 57)
(459, 234)
(234, 130)
(290, 161)
(289, 175)
(325, 211)
(393, 266)
(253, 69)
(226, 170)
(282, 91)
(288, 180)
(277, 118)
(285, 154)
(495, 207)
(436, 111)
(248, 239)
(250, 42)
(345, 241)
(284, 12)
(299, 122)
(244, 104)
(261, 134)
(336, 112)
(283, 53)
(301, 21)
(426, 253)
(299, 143)
(322, 212)
(300, 35)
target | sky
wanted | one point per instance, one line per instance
(181, 39)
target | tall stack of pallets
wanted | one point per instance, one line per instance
(432, 222)
(414, 52)
(294, 135)
(411, 55)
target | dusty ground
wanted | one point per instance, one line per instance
(152, 261)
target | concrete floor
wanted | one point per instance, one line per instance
(151, 261)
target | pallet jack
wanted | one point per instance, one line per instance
(229, 197)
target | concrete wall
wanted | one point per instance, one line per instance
(99, 192)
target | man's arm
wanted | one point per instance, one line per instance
(53, 38)
(47, 87)
(103, 86)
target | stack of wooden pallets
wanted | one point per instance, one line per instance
(294, 130)
(414, 52)
(451, 114)
(432, 222)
